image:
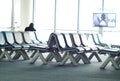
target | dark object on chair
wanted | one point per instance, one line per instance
(30, 28)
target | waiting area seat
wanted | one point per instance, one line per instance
(88, 44)
(62, 44)
(17, 48)
(80, 51)
(19, 40)
(97, 38)
(3, 48)
(38, 49)
(112, 55)
(63, 47)
(57, 43)
(77, 43)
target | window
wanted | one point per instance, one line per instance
(112, 9)
(112, 6)
(5, 14)
(62, 16)
(66, 15)
(86, 10)
(44, 18)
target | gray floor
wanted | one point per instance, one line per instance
(23, 71)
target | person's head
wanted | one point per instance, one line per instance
(103, 16)
(31, 25)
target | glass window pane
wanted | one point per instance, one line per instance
(5, 13)
(66, 15)
(44, 18)
(87, 8)
(44, 14)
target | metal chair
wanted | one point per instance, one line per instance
(87, 41)
(19, 40)
(79, 51)
(3, 48)
(13, 46)
(113, 57)
(38, 49)
(77, 43)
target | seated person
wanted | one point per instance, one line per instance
(30, 27)
(33, 34)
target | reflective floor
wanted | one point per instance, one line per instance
(23, 71)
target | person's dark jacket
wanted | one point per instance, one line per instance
(30, 28)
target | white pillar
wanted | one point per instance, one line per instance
(26, 13)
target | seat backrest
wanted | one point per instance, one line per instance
(95, 39)
(60, 40)
(9, 37)
(2, 39)
(34, 37)
(84, 39)
(26, 37)
(18, 37)
(91, 41)
(76, 39)
(100, 38)
(57, 40)
(101, 41)
(51, 41)
(68, 40)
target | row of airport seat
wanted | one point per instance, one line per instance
(18, 43)
(60, 46)
(56, 40)
(112, 51)
(8, 46)
(71, 43)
